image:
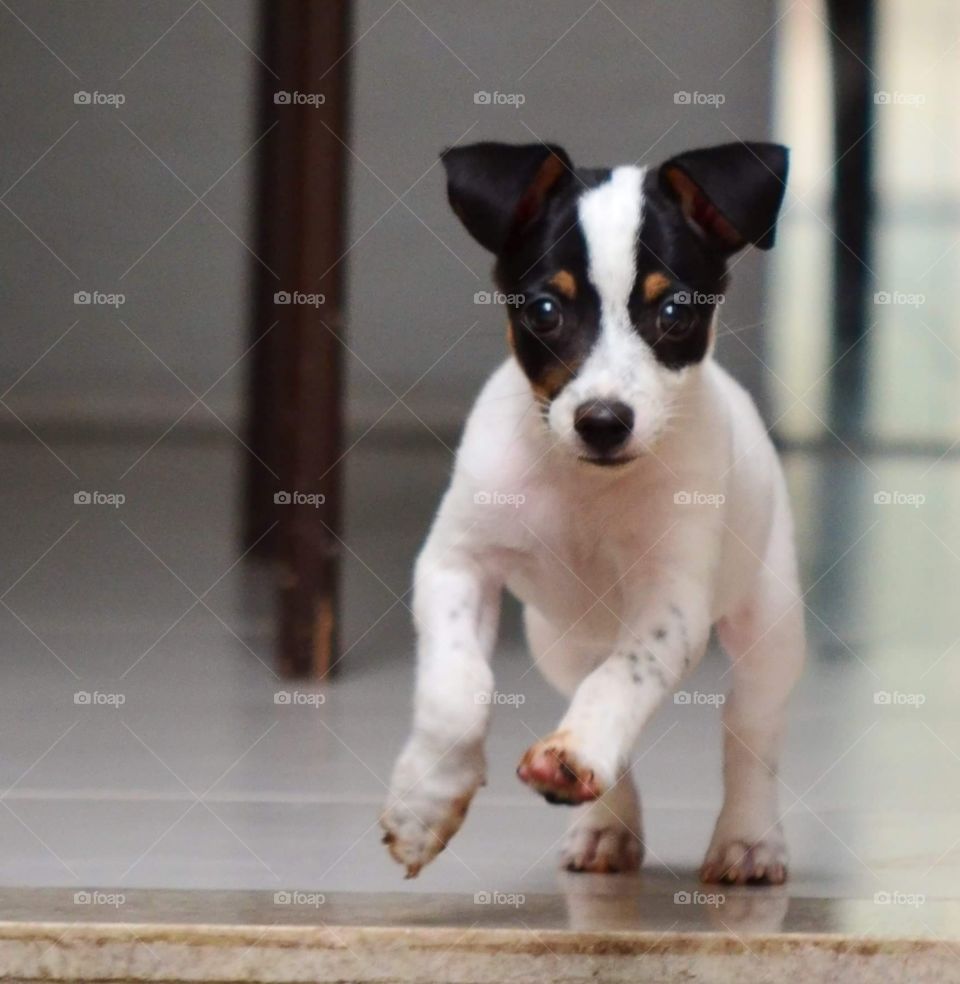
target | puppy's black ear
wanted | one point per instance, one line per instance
(730, 194)
(496, 189)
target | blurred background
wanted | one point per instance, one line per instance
(152, 400)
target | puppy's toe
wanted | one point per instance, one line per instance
(601, 850)
(554, 770)
(410, 844)
(741, 862)
(415, 833)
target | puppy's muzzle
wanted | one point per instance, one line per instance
(603, 426)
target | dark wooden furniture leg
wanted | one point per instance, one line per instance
(296, 421)
(852, 46)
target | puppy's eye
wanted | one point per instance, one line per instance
(676, 318)
(542, 315)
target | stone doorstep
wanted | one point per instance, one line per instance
(247, 936)
(126, 953)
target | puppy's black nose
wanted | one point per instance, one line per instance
(603, 425)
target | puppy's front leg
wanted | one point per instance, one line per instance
(592, 747)
(456, 608)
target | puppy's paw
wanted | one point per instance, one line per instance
(416, 833)
(606, 849)
(739, 861)
(554, 769)
(427, 804)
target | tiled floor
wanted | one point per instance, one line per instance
(199, 779)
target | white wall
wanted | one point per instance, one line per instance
(99, 200)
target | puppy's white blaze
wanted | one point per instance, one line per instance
(610, 217)
(620, 365)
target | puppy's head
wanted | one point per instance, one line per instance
(619, 272)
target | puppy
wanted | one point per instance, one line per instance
(622, 486)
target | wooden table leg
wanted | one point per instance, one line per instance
(852, 49)
(296, 424)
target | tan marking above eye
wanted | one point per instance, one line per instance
(655, 285)
(564, 282)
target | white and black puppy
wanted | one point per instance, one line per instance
(617, 481)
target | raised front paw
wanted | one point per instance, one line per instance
(427, 804)
(554, 768)
(740, 861)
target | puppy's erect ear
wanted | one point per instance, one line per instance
(496, 189)
(730, 194)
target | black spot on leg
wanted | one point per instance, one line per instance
(660, 633)
(637, 677)
(675, 611)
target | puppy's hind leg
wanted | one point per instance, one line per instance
(765, 642)
(606, 836)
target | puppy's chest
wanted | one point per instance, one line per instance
(566, 551)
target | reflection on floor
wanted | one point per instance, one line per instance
(183, 770)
